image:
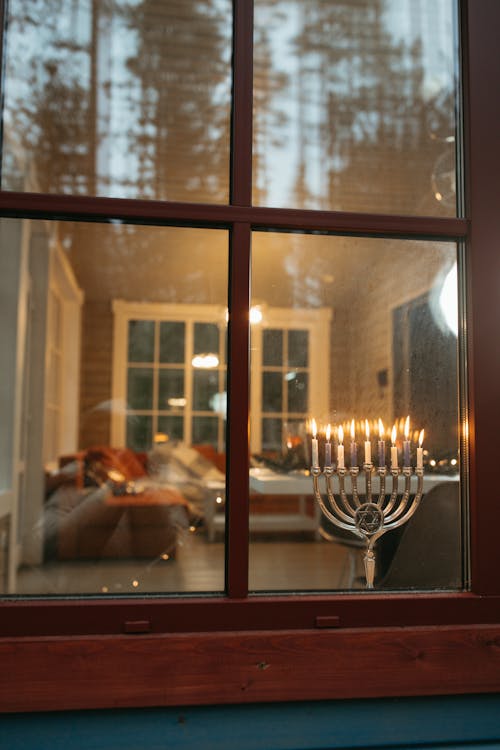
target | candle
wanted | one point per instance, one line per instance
(315, 460)
(354, 447)
(394, 450)
(381, 444)
(406, 443)
(368, 445)
(340, 449)
(328, 447)
(420, 451)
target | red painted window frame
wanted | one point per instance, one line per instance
(35, 634)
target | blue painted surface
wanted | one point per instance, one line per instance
(454, 722)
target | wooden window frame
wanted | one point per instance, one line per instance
(66, 654)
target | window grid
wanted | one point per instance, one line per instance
(240, 217)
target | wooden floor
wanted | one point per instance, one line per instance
(275, 565)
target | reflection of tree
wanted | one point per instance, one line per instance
(47, 98)
(181, 62)
(121, 97)
(362, 101)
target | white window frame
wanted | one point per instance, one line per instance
(315, 321)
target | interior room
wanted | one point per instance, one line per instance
(122, 393)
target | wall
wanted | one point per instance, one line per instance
(452, 722)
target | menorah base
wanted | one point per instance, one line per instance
(369, 561)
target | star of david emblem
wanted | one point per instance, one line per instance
(369, 518)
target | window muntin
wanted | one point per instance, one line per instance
(129, 100)
(355, 106)
(388, 348)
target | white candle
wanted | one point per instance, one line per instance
(406, 443)
(381, 444)
(420, 451)
(368, 445)
(394, 450)
(340, 449)
(315, 459)
(354, 447)
(328, 447)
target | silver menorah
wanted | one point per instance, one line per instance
(370, 515)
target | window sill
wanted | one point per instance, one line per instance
(63, 673)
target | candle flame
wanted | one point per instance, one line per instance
(407, 427)
(341, 434)
(328, 432)
(393, 435)
(367, 429)
(314, 429)
(421, 438)
(380, 429)
(352, 429)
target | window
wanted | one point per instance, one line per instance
(311, 166)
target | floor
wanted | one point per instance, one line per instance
(276, 564)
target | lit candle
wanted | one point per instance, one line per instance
(381, 444)
(406, 443)
(394, 450)
(354, 447)
(340, 449)
(315, 461)
(420, 451)
(328, 447)
(368, 445)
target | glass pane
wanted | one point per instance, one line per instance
(129, 99)
(205, 431)
(272, 347)
(139, 433)
(141, 340)
(355, 105)
(206, 338)
(171, 389)
(205, 388)
(272, 391)
(298, 348)
(140, 388)
(272, 435)
(298, 395)
(107, 494)
(384, 350)
(172, 342)
(172, 427)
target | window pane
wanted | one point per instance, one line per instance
(298, 396)
(139, 432)
(272, 347)
(377, 346)
(205, 431)
(171, 389)
(172, 342)
(140, 388)
(103, 483)
(171, 426)
(298, 354)
(206, 338)
(272, 391)
(272, 434)
(141, 340)
(355, 105)
(124, 99)
(205, 387)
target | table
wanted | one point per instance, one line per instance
(266, 481)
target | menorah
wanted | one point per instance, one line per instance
(369, 514)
